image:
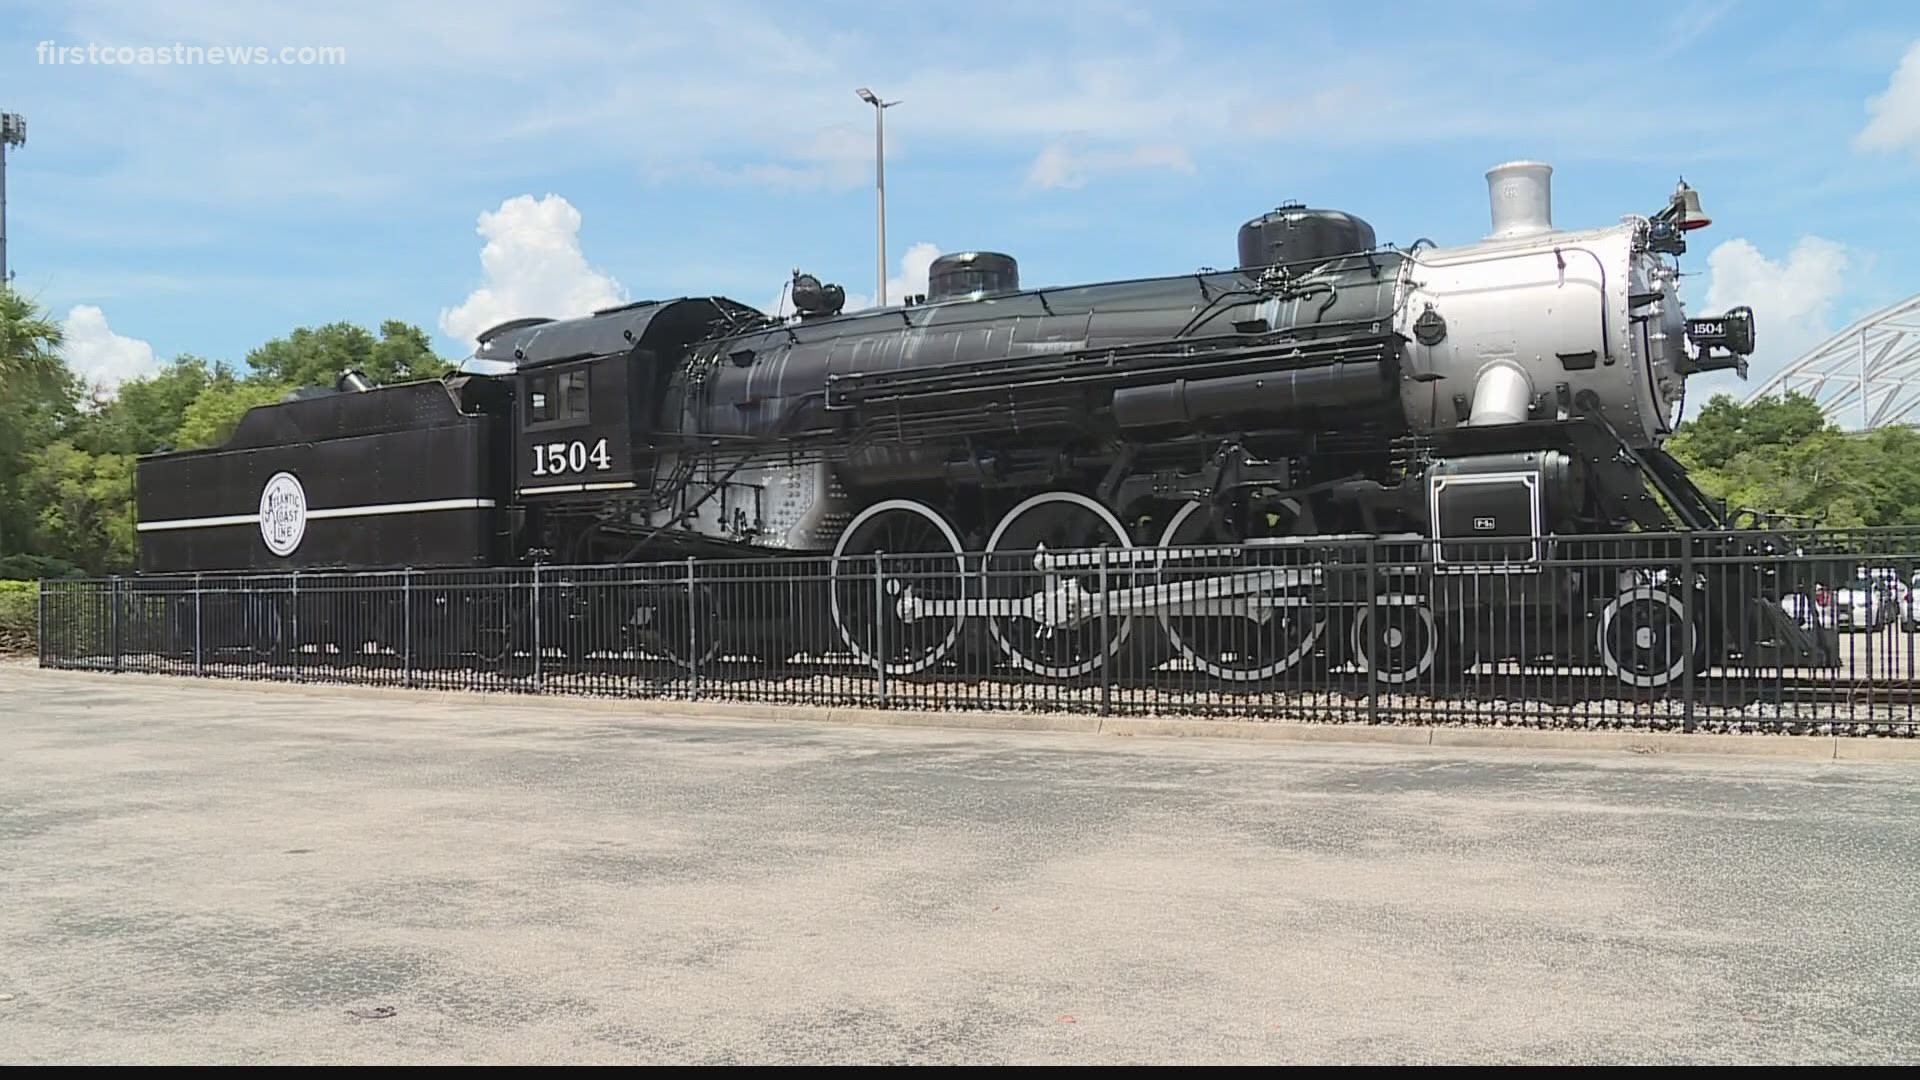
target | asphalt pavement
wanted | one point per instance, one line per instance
(223, 872)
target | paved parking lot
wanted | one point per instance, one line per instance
(232, 873)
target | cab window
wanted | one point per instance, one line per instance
(571, 395)
(558, 397)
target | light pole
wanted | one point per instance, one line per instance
(879, 188)
(13, 132)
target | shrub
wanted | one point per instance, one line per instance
(37, 567)
(19, 607)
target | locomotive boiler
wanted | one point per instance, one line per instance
(1164, 470)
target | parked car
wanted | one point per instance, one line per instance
(1811, 610)
(1877, 598)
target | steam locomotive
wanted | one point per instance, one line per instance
(1069, 476)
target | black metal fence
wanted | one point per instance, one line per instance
(1812, 632)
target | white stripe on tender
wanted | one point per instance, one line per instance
(399, 508)
(199, 523)
(370, 510)
(557, 489)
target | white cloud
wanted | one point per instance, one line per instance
(1894, 116)
(533, 265)
(1792, 298)
(910, 281)
(1060, 167)
(98, 355)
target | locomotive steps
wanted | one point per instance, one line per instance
(1822, 747)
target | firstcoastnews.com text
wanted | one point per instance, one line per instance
(51, 52)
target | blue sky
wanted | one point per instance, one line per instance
(473, 162)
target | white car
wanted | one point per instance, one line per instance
(1808, 609)
(1872, 601)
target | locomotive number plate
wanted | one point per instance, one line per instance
(561, 458)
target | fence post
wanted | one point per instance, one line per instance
(199, 659)
(1873, 631)
(1106, 641)
(293, 620)
(406, 626)
(880, 622)
(40, 622)
(113, 616)
(693, 631)
(539, 669)
(1689, 626)
(1370, 662)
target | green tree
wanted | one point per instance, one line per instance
(1726, 428)
(218, 408)
(145, 416)
(316, 356)
(29, 344)
(1782, 455)
(83, 506)
(404, 352)
(39, 398)
(1890, 482)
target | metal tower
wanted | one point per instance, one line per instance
(1866, 375)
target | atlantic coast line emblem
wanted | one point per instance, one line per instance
(283, 513)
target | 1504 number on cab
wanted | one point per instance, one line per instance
(561, 458)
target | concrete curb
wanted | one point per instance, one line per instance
(1876, 749)
(1797, 747)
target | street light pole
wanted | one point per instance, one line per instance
(13, 132)
(879, 189)
(3, 214)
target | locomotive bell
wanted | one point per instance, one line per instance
(1686, 205)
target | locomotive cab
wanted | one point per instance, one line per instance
(574, 427)
(588, 391)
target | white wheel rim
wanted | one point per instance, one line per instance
(1612, 662)
(1218, 670)
(911, 667)
(1007, 648)
(1363, 637)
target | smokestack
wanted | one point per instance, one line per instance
(1520, 194)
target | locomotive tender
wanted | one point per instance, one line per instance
(1157, 469)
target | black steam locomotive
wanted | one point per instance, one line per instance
(1143, 469)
